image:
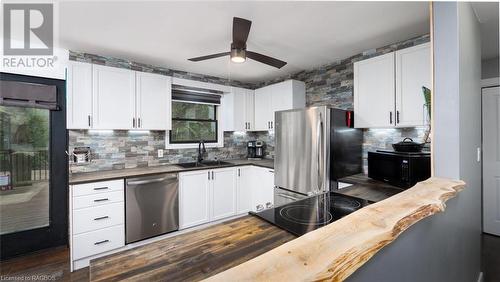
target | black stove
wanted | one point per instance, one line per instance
(312, 213)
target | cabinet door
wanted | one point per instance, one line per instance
(223, 194)
(263, 191)
(79, 96)
(244, 188)
(250, 109)
(413, 70)
(263, 109)
(113, 98)
(153, 98)
(374, 97)
(194, 196)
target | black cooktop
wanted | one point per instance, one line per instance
(312, 213)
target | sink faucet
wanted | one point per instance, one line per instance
(201, 150)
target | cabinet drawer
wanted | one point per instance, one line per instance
(97, 199)
(94, 218)
(97, 187)
(99, 241)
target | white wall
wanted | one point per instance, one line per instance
(490, 68)
(446, 247)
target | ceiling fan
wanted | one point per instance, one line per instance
(239, 52)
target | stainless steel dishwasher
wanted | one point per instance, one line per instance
(151, 206)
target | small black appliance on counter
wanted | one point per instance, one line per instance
(255, 150)
(401, 169)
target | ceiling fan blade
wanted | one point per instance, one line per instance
(265, 59)
(202, 58)
(241, 28)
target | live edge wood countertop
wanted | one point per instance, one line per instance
(249, 249)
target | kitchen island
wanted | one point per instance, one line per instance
(251, 249)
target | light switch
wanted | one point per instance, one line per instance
(160, 153)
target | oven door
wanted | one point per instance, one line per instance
(283, 197)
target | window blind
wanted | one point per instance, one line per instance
(195, 94)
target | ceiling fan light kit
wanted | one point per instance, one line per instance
(239, 53)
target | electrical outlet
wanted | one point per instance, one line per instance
(160, 153)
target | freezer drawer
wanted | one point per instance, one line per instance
(152, 206)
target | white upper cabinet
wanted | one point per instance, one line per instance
(286, 95)
(101, 97)
(113, 98)
(263, 109)
(388, 88)
(79, 96)
(374, 92)
(238, 109)
(153, 96)
(413, 70)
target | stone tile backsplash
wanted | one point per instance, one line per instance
(330, 84)
(119, 149)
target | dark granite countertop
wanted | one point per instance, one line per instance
(366, 188)
(85, 177)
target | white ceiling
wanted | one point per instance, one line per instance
(487, 14)
(305, 34)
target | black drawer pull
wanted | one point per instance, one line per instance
(101, 200)
(101, 188)
(102, 217)
(101, 242)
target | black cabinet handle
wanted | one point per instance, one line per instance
(89, 120)
(390, 117)
(209, 175)
(272, 125)
(397, 116)
(101, 200)
(101, 242)
(101, 218)
(101, 188)
(239, 172)
(212, 175)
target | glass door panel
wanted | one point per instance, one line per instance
(24, 169)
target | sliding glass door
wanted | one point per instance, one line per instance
(33, 173)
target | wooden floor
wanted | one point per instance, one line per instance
(192, 256)
(51, 264)
(55, 263)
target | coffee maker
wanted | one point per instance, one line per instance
(255, 150)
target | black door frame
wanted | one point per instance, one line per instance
(56, 234)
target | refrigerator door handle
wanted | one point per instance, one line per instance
(320, 152)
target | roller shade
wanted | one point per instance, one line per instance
(195, 94)
(30, 95)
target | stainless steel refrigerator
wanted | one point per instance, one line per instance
(314, 148)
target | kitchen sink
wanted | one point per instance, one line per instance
(203, 164)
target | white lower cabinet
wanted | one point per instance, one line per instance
(223, 193)
(206, 195)
(194, 198)
(244, 189)
(99, 241)
(255, 189)
(263, 190)
(97, 220)
(210, 195)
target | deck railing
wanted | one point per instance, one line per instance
(25, 167)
